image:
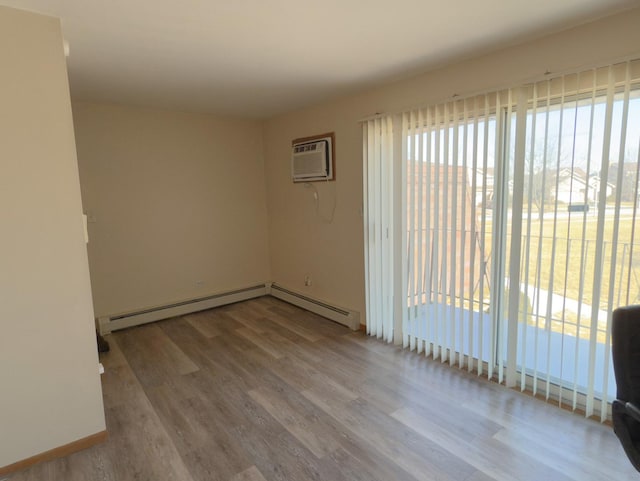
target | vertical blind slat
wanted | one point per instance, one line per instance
(406, 266)
(420, 227)
(599, 257)
(464, 293)
(453, 251)
(426, 133)
(471, 352)
(413, 305)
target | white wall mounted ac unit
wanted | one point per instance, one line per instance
(312, 158)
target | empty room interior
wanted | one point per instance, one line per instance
(338, 240)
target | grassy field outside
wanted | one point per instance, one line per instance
(566, 249)
(558, 275)
(562, 254)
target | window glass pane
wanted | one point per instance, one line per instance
(449, 207)
(567, 294)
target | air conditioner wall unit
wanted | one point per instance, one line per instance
(312, 158)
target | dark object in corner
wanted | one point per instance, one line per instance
(625, 350)
(103, 346)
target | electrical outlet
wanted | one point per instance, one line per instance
(307, 280)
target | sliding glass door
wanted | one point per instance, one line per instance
(518, 230)
(580, 253)
(450, 156)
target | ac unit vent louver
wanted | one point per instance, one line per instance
(312, 159)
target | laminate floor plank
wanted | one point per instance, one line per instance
(249, 474)
(304, 375)
(323, 435)
(479, 476)
(294, 348)
(265, 391)
(390, 392)
(361, 379)
(579, 466)
(310, 432)
(204, 324)
(330, 328)
(374, 352)
(262, 341)
(275, 344)
(412, 452)
(482, 452)
(153, 355)
(311, 321)
(189, 338)
(287, 322)
(134, 424)
(282, 458)
(517, 414)
(225, 354)
(271, 327)
(200, 435)
(358, 464)
(218, 319)
(229, 401)
(341, 368)
(248, 318)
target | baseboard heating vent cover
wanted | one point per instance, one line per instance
(346, 317)
(109, 324)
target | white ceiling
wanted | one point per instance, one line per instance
(257, 58)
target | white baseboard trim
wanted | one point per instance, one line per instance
(341, 315)
(112, 323)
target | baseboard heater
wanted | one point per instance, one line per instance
(343, 316)
(122, 321)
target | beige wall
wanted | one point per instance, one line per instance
(178, 203)
(302, 244)
(50, 387)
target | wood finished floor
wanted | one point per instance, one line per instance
(262, 390)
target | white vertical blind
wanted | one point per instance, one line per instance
(378, 216)
(449, 152)
(578, 223)
(520, 209)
